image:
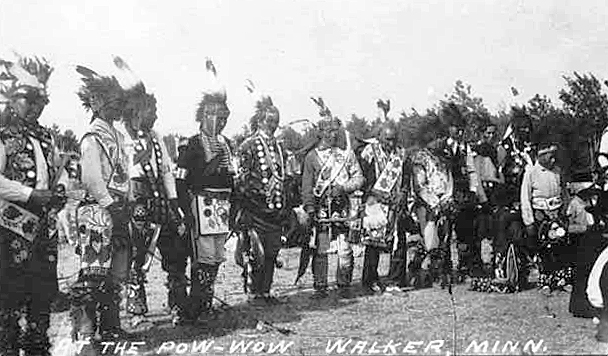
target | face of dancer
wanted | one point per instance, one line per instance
(547, 160)
(270, 122)
(331, 133)
(523, 133)
(148, 118)
(109, 111)
(388, 139)
(489, 134)
(456, 133)
(29, 107)
(215, 119)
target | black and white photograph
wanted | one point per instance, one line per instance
(310, 178)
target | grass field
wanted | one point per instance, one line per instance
(417, 322)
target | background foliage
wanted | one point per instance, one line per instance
(575, 123)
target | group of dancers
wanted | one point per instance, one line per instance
(131, 199)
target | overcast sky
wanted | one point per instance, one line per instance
(349, 52)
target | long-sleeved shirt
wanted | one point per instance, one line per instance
(164, 168)
(539, 186)
(348, 175)
(102, 153)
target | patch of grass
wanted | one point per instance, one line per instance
(422, 315)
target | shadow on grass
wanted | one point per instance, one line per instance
(243, 319)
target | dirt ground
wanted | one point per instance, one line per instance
(417, 322)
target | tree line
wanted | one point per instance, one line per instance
(575, 123)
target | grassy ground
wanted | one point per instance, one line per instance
(422, 318)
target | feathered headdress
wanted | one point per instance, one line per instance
(214, 91)
(324, 111)
(23, 77)
(103, 89)
(450, 114)
(135, 95)
(263, 104)
(385, 107)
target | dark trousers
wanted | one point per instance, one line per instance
(203, 282)
(509, 229)
(397, 273)
(174, 252)
(263, 270)
(470, 251)
(370, 266)
(588, 247)
(27, 289)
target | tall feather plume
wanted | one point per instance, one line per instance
(323, 109)
(126, 77)
(98, 87)
(385, 107)
(213, 90)
(210, 67)
(86, 72)
(250, 87)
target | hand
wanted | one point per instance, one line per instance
(40, 197)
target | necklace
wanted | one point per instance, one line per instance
(273, 168)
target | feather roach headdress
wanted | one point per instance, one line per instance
(327, 119)
(263, 105)
(214, 93)
(385, 107)
(136, 98)
(450, 114)
(520, 117)
(25, 77)
(103, 89)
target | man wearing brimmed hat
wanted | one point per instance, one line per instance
(542, 196)
(329, 175)
(205, 180)
(28, 239)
